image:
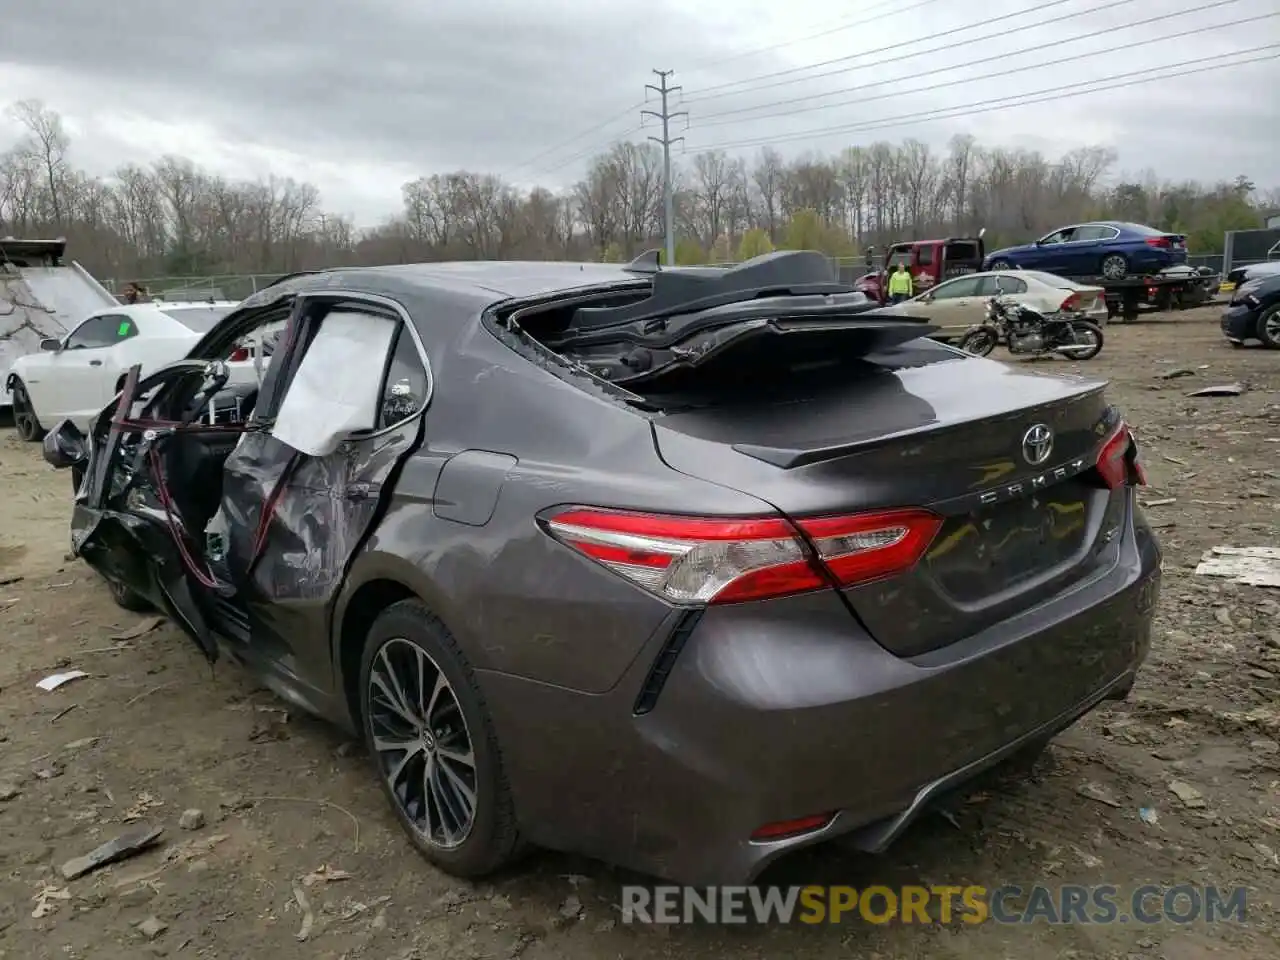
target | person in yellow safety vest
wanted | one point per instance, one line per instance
(900, 285)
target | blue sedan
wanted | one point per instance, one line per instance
(1109, 249)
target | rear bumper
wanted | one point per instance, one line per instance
(1239, 323)
(787, 710)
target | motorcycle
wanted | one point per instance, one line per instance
(1027, 331)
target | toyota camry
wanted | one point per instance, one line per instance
(680, 568)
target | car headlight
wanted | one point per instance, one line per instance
(1244, 292)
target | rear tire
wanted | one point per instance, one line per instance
(447, 787)
(1269, 327)
(25, 421)
(980, 341)
(1093, 330)
(127, 599)
(1114, 266)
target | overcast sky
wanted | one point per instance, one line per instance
(358, 96)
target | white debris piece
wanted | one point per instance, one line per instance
(1252, 566)
(54, 681)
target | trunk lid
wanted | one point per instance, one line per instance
(906, 428)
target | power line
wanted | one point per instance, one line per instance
(574, 139)
(1047, 95)
(585, 152)
(710, 93)
(700, 65)
(713, 119)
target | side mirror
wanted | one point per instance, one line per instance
(65, 446)
(51, 344)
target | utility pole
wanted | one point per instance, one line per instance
(666, 116)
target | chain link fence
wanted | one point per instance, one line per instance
(1242, 246)
(224, 287)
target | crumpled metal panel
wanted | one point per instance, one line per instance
(323, 507)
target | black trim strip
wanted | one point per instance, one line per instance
(665, 662)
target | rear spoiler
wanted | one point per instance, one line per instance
(680, 290)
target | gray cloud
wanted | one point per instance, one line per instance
(420, 87)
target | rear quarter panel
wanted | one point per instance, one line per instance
(517, 601)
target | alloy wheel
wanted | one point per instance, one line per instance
(1271, 328)
(422, 743)
(1114, 267)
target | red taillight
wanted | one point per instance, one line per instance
(1119, 462)
(782, 829)
(1163, 243)
(1071, 303)
(239, 354)
(701, 560)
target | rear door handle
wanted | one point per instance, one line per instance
(95, 363)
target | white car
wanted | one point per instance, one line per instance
(958, 304)
(75, 377)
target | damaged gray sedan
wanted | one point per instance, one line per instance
(680, 568)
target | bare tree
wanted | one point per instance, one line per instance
(173, 218)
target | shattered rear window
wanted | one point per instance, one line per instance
(198, 319)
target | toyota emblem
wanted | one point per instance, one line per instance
(1037, 444)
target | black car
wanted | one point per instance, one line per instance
(1254, 312)
(679, 568)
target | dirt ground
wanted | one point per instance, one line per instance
(288, 805)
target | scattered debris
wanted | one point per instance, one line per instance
(355, 822)
(1223, 390)
(81, 743)
(1160, 503)
(10, 581)
(146, 693)
(308, 918)
(145, 803)
(55, 680)
(571, 909)
(128, 844)
(138, 629)
(1178, 460)
(1176, 373)
(325, 874)
(63, 712)
(191, 819)
(1251, 566)
(47, 900)
(1149, 815)
(270, 724)
(1189, 795)
(1096, 791)
(8, 790)
(152, 928)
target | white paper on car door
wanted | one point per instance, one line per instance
(335, 390)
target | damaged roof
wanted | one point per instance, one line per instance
(488, 281)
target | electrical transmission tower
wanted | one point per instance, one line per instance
(666, 116)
